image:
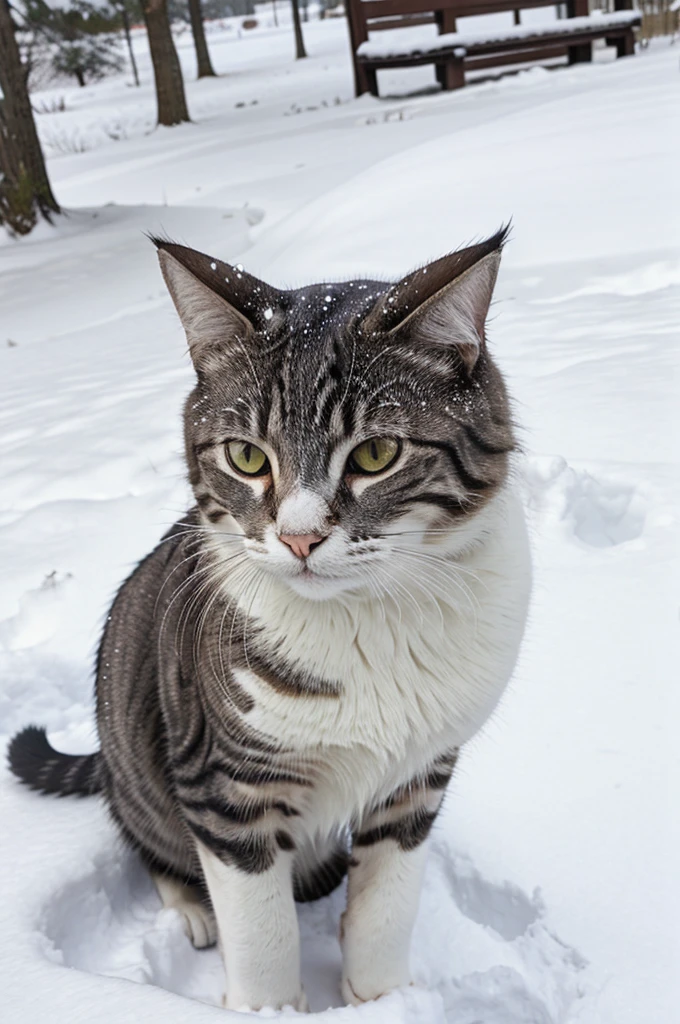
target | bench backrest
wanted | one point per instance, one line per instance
(373, 15)
(462, 8)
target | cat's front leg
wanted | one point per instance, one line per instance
(258, 931)
(383, 892)
(385, 876)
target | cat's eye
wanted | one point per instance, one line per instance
(247, 458)
(374, 456)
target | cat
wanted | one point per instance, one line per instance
(284, 684)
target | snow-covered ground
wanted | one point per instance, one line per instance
(552, 894)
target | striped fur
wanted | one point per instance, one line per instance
(269, 722)
(34, 760)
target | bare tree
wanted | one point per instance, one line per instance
(172, 104)
(25, 190)
(122, 7)
(205, 68)
(299, 41)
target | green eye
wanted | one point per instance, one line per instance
(374, 455)
(247, 458)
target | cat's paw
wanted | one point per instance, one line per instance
(199, 923)
(349, 995)
(302, 1005)
(299, 1003)
(197, 915)
(355, 994)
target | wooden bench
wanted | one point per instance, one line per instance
(453, 52)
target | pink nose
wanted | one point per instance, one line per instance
(301, 543)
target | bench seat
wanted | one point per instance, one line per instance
(462, 44)
(454, 52)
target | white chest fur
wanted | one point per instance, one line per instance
(417, 677)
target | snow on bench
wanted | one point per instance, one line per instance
(460, 43)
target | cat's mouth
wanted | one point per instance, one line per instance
(318, 586)
(311, 578)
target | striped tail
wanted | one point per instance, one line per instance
(40, 766)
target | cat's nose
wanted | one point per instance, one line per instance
(301, 544)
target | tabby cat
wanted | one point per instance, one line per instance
(285, 682)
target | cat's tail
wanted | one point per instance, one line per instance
(33, 760)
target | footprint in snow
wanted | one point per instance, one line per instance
(600, 512)
(481, 950)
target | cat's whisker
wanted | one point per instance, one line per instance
(229, 567)
(409, 596)
(215, 534)
(206, 587)
(193, 555)
(441, 561)
(257, 587)
(447, 579)
(375, 589)
(224, 672)
(234, 567)
(420, 534)
(176, 535)
(222, 678)
(189, 581)
(431, 598)
(448, 565)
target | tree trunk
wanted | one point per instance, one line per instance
(80, 77)
(25, 192)
(172, 104)
(299, 41)
(128, 39)
(205, 68)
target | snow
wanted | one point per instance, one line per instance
(552, 893)
(468, 40)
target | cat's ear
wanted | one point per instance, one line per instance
(445, 304)
(220, 306)
(210, 323)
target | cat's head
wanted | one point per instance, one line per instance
(341, 434)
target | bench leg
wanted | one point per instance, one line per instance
(581, 54)
(451, 74)
(366, 80)
(625, 45)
